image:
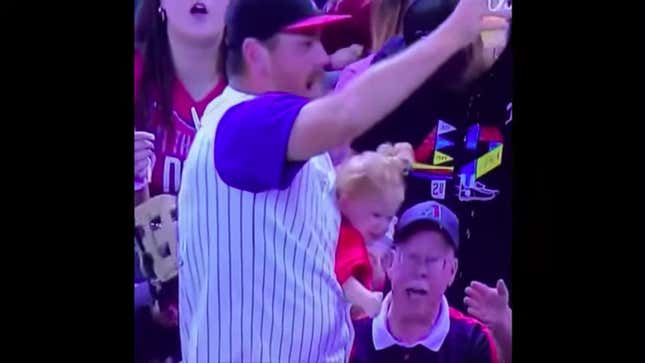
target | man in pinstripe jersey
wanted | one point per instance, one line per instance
(258, 223)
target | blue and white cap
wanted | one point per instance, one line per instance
(435, 212)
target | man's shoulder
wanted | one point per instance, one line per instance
(237, 125)
(235, 104)
(222, 103)
(461, 321)
(270, 101)
(470, 334)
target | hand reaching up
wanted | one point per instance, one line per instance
(471, 17)
(490, 305)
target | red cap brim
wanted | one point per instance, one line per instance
(315, 22)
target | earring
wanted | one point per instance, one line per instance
(162, 13)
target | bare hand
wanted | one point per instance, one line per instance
(373, 307)
(471, 17)
(378, 273)
(346, 56)
(144, 154)
(490, 305)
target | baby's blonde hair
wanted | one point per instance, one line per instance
(381, 171)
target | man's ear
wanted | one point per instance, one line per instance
(454, 266)
(255, 55)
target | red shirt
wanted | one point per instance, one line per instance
(351, 256)
(171, 153)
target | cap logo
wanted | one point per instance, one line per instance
(434, 211)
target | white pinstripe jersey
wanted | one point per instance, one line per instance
(256, 278)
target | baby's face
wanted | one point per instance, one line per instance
(371, 215)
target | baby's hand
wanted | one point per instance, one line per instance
(373, 305)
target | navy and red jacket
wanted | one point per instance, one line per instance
(468, 341)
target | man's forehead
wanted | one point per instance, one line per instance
(425, 240)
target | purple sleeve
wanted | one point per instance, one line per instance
(251, 143)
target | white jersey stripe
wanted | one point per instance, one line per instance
(246, 274)
(261, 223)
(287, 266)
(203, 347)
(307, 220)
(315, 336)
(253, 285)
(274, 268)
(290, 220)
(206, 254)
(291, 288)
(269, 207)
(318, 318)
(202, 217)
(311, 291)
(227, 314)
(198, 225)
(233, 258)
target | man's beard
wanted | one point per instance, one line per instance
(317, 87)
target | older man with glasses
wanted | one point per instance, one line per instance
(415, 323)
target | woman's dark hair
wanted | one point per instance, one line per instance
(158, 76)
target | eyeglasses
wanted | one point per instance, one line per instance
(412, 260)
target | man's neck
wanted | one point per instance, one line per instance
(196, 65)
(249, 85)
(410, 330)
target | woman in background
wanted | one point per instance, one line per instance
(178, 71)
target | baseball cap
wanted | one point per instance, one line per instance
(261, 19)
(424, 16)
(434, 212)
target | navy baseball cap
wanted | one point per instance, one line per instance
(435, 212)
(424, 16)
(261, 19)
